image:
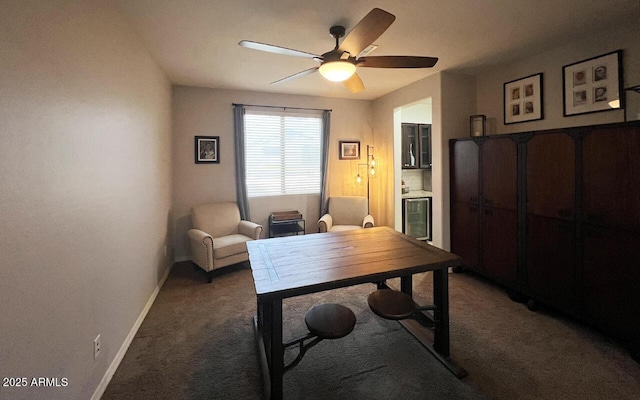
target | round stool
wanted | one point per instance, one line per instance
(391, 304)
(330, 321)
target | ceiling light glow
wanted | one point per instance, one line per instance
(337, 71)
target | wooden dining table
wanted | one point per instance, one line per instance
(298, 265)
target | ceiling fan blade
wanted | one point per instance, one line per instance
(354, 84)
(366, 31)
(396, 62)
(277, 49)
(297, 75)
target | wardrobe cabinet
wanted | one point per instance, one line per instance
(611, 224)
(555, 216)
(484, 196)
(499, 186)
(465, 198)
(550, 185)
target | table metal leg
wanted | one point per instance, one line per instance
(441, 313)
(438, 343)
(276, 363)
(268, 330)
(406, 285)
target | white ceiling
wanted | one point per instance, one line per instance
(196, 41)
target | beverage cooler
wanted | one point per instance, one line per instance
(416, 218)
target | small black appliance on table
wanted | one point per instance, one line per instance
(286, 223)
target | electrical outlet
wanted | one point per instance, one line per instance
(164, 250)
(96, 347)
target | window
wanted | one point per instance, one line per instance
(282, 153)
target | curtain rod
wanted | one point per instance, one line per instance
(284, 108)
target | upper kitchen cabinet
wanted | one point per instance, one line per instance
(416, 146)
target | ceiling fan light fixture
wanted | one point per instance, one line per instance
(337, 71)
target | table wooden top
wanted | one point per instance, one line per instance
(295, 265)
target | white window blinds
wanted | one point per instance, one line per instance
(282, 153)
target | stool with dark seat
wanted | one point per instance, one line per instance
(393, 304)
(324, 321)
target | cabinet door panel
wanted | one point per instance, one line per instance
(612, 280)
(425, 146)
(611, 177)
(551, 166)
(500, 244)
(499, 173)
(464, 172)
(551, 266)
(410, 153)
(465, 234)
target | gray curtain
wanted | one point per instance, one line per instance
(324, 162)
(241, 176)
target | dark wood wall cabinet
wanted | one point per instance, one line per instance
(554, 216)
(416, 146)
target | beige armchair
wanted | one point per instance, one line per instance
(219, 236)
(346, 213)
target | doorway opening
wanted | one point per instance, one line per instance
(417, 179)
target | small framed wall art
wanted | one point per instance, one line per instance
(593, 85)
(207, 149)
(349, 150)
(523, 100)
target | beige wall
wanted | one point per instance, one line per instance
(85, 190)
(208, 112)
(490, 81)
(387, 117)
(453, 100)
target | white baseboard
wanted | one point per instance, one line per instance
(127, 342)
(183, 258)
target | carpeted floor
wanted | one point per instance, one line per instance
(197, 343)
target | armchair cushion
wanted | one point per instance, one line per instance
(230, 245)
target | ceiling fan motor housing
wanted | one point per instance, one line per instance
(337, 31)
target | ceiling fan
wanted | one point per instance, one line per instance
(339, 64)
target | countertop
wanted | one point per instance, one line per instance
(413, 194)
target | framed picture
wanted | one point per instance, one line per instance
(349, 150)
(207, 149)
(523, 100)
(593, 85)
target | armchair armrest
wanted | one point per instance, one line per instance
(368, 222)
(250, 229)
(325, 223)
(198, 235)
(201, 248)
